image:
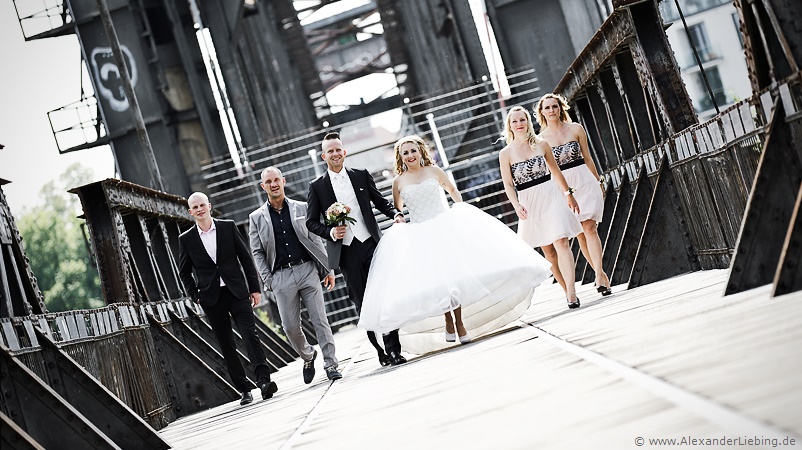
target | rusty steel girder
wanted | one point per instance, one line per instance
(97, 403)
(615, 33)
(770, 234)
(130, 266)
(41, 413)
(637, 29)
(19, 290)
(768, 249)
(772, 41)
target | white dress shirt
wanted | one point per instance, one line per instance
(209, 239)
(344, 191)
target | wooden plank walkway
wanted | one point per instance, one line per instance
(669, 360)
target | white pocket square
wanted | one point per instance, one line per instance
(361, 189)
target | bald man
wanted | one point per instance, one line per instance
(216, 253)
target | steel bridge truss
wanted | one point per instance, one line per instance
(689, 195)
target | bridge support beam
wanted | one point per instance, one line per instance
(769, 209)
(12, 437)
(789, 271)
(633, 227)
(623, 203)
(665, 249)
(43, 414)
(193, 386)
(94, 401)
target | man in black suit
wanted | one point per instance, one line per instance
(218, 255)
(350, 247)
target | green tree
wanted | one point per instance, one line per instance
(55, 244)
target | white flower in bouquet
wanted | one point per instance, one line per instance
(338, 214)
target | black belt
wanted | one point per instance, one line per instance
(572, 164)
(292, 264)
(535, 182)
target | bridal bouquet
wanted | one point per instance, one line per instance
(337, 214)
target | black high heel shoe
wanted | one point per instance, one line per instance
(574, 305)
(604, 290)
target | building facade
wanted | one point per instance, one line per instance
(713, 29)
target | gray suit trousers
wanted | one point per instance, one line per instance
(292, 285)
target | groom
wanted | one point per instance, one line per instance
(350, 247)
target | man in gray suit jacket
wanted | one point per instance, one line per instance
(292, 262)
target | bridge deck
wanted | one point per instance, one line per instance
(669, 360)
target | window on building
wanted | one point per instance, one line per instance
(714, 78)
(737, 23)
(668, 9)
(699, 41)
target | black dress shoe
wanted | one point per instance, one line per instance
(384, 360)
(268, 388)
(396, 359)
(246, 398)
(333, 374)
(309, 369)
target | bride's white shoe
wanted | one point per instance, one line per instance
(465, 339)
(451, 337)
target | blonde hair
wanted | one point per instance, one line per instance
(538, 109)
(423, 148)
(199, 195)
(509, 136)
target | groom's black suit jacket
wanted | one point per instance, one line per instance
(233, 256)
(321, 196)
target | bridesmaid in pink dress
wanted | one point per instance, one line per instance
(543, 201)
(569, 144)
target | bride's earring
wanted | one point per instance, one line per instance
(421, 162)
(404, 167)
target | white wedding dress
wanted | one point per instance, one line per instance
(447, 258)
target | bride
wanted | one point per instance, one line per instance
(458, 261)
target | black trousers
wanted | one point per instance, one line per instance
(220, 315)
(355, 262)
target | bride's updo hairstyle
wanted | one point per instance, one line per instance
(423, 149)
(538, 109)
(508, 134)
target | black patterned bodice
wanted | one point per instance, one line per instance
(568, 155)
(527, 172)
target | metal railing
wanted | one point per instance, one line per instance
(726, 149)
(40, 16)
(77, 125)
(113, 344)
